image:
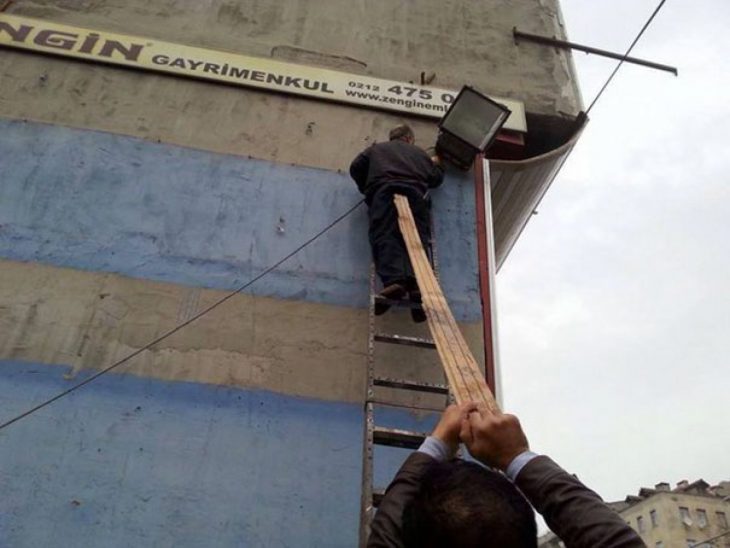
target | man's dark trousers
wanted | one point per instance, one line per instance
(389, 249)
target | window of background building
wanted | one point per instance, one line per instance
(684, 515)
(654, 519)
(701, 517)
(722, 520)
(640, 524)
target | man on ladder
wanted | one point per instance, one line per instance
(380, 171)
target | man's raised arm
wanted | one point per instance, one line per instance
(436, 177)
(359, 170)
(575, 513)
(441, 445)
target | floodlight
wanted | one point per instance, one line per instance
(469, 127)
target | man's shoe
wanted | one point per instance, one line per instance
(393, 292)
(418, 315)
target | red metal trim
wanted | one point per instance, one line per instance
(511, 137)
(484, 269)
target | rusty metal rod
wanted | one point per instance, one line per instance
(564, 44)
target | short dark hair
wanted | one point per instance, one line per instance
(401, 131)
(463, 505)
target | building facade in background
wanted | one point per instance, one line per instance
(690, 515)
(132, 199)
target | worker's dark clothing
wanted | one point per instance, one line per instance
(575, 513)
(394, 162)
(389, 252)
(385, 169)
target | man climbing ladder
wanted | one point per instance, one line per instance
(381, 171)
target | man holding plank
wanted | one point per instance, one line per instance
(436, 500)
(381, 171)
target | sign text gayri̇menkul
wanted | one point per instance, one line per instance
(242, 73)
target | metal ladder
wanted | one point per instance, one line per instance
(379, 435)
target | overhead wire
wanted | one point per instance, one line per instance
(180, 326)
(583, 115)
(628, 51)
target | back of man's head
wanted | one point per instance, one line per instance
(402, 132)
(463, 505)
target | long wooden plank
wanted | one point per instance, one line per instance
(450, 351)
(450, 357)
(456, 357)
(460, 366)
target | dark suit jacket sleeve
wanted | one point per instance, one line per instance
(387, 527)
(575, 513)
(359, 170)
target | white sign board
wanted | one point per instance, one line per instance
(255, 72)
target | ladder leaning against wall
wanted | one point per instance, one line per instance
(464, 380)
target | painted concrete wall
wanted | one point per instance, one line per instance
(110, 241)
(140, 462)
(89, 320)
(146, 197)
(459, 41)
(96, 201)
(114, 241)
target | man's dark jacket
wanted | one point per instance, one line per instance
(572, 511)
(394, 162)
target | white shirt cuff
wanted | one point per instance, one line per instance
(436, 449)
(518, 463)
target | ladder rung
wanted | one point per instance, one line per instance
(388, 403)
(398, 438)
(398, 303)
(411, 385)
(378, 495)
(403, 339)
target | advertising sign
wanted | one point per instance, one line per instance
(232, 68)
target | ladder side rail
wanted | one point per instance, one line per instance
(366, 496)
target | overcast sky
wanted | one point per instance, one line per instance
(614, 313)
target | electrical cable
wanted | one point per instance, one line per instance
(628, 51)
(179, 326)
(707, 542)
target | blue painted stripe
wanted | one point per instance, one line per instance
(128, 461)
(103, 202)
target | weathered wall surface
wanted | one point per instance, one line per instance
(96, 201)
(140, 462)
(177, 222)
(460, 41)
(89, 320)
(130, 200)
